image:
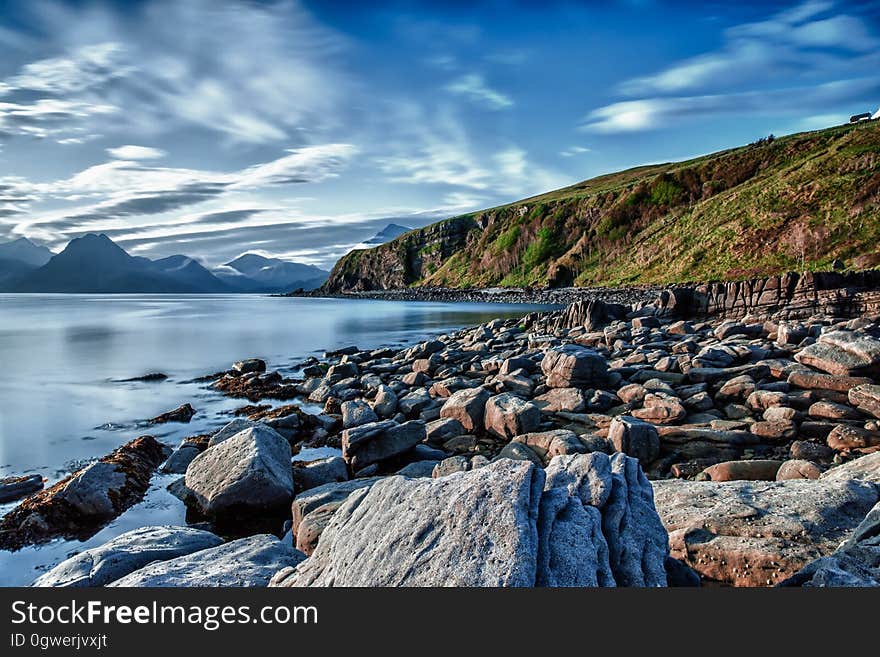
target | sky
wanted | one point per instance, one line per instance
(299, 129)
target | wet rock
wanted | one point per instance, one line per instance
(635, 438)
(15, 488)
(468, 407)
(80, 504)
(248, 561)
(246, 474)
(180, 459)
(507, 416)
(182, 414)
(125, 554)
(377, 441)
(249, 365)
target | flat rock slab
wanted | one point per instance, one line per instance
(749, 533)
(248, 561)
(126, 553)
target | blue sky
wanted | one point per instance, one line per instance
(299, 129)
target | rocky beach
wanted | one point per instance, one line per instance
(723, 434)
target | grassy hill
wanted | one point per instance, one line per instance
(791, 203)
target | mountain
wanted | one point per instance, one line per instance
(26, 252)
(255, 273)
(387, 234)
(188, 271)
(778, 204)
(94, 263)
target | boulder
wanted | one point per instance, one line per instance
(865, 468)
(317, 473)
(385, 402)
(635, 438)
(79, 505)
(590, 521)
(755, 470)
(855, 563)
(571, 400)
(798, 469)
(507, 416)
(377, 441)
(749, 533)
(468, 407)
(247, 561)
(574, 366)
(182, 414)
(867, 398)
(249, 472)
(15, 488)
(314, 498)
(843, 353)
(249, 365)
(126, 553)
(660, 409)
(548, 444)
(235, 427)
(439, 431)
(356, 413)
(845, 437)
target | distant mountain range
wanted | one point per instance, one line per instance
(95, 264)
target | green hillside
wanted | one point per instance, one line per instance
(796, 202)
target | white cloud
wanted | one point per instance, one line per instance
(131, 152)
(652, 113)
(50, 117)
(802, 41)
(256, 73)
(474, 88)
(575, 150)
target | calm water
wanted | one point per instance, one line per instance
(62, 356)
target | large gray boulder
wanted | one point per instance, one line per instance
(249, 472)
(574, 366)
(377, 441)
(598, 525)
(247, 561)
(231, 429)
(468, 529)
(589, 521)
(317, 473)
(356, 413)
(843, 353)
(126, 553)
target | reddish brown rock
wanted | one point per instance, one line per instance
(757, 470)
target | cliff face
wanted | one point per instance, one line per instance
(793, 203)
(403, 261)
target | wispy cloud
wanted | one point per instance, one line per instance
(575, 150)
(131, 152)
(474, 88)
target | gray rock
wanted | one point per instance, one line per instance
(468, 529)
(126, 553)
(249, 365)
(308, 501)
(548, 444)
(574, 366)
(377, 441)
(238, 425)
(248, 561)
(89, 491)
(418, 469)
(356, 413)
(515, 451)
(385, 403)
(249, 472)
(15, 488)
(865, 468)
(439, 431)
(598, 525)
(180, 459)
(317, 473)
(843, 353)
(635, 438)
